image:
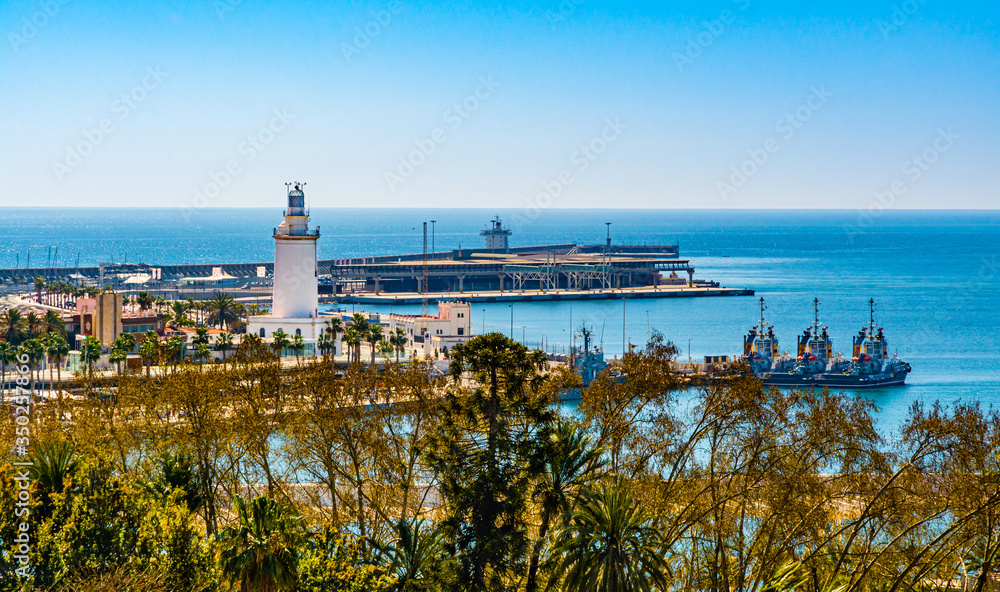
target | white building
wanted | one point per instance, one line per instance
(427, 334)
(295, 305)
(497, 237)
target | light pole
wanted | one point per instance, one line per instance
(511, 334)
(624, 348)
(433, 222)
(522, 334)
(484, 321)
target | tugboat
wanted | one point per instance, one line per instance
(813, 356)
(760, 347)
(870, 364)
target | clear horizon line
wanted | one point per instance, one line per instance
(561, 209)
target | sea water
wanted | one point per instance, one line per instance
(935, 275)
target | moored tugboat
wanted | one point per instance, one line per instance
(760, 347)
(870, 365)
(813, 356)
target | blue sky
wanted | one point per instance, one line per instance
(565, 103)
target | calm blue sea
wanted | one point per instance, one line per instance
(935, 275)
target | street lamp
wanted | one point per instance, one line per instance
(511, 334)
(484, 321)
(433, 222)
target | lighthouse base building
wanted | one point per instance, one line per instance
(295, 305)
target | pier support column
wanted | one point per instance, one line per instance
(501, 276)
(690, 277)
(461, 286)
(378, 284)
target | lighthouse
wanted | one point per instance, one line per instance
(296, 295)
(295, 300)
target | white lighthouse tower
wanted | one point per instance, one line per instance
(295, 305)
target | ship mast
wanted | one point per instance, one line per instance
(871, 315)
(762, 308)
(816, 324)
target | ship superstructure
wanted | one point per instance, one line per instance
(760, 346)
(815, 348)
(871, 364)
(588, 361)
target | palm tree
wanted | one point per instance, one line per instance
(178, 313)
(35, 351)
(149, 349)
(255, 310)
(13, 326)
(224, 343)
(202, 353)
(410, 554)
(279, 342)
(125, 341)
(8, 355)
(117, 357)
(175, 346)
(325, 344)
(58, 349)
(53, 323)
(201, 336)
(570, 466)
(90, 353)
(34, 323)
(260, 551)
(176, 472)
(334, 326)
(144, 300)
(39, 286)
(386, 348)
(611, 544)
(374, 336)
(222, 308)
(52, 464)
(398, 339)
(353, 339)
(297, 346)
(360, 321)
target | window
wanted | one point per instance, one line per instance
(298, 332)
(461, 330)
(262, 333)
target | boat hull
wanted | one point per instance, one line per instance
(849, 381)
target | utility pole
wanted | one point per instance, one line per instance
(423, 281)
(433, 250)
(511, 334)
(624, 345)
